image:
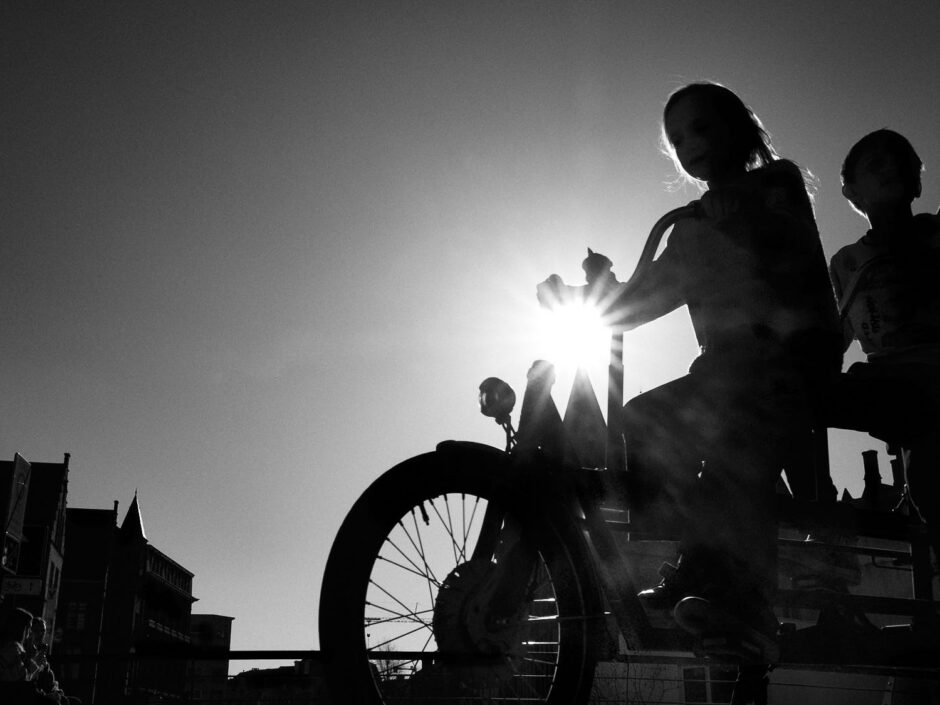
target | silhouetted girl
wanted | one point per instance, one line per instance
(704, 451)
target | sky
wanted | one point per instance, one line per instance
(252, 255)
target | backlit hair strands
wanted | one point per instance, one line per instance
(751, 141)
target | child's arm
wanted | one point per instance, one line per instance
(657, 294)
(848, 334)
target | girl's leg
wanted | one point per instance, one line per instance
(735, 514)
(667, 431)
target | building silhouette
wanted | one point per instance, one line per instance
(300, 684)
(122, 602)
(208, 678)
(32, 511)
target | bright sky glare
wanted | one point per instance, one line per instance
(255, 254)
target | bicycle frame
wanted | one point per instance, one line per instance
(542, 443)
(573, 500)
(616, 456)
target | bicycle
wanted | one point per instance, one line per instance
(473, 574)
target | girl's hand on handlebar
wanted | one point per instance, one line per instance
(551, 291)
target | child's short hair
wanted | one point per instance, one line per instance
(13, 622)
(752, 143)
(896, 143)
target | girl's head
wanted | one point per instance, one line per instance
(711, 135)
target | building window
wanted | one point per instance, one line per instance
(53, 585)
(708, 686)
(695, 685)
(721, 681)
(11, 553)
(71, 670)
(76, 615)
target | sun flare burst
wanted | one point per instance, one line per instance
(575, 336)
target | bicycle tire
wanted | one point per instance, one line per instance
(370, 584)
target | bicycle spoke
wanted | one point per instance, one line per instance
(539, 661)
(429, 572)
(395, 599)
(524, 680)
(469, 526)
(416, 560)
(447, 530)
(420, 549)
(455, 548)
(427, 642)
(405, 568)
(463, 517)
(412, 617)
(396, 638)
(401, 552)
(450, 526)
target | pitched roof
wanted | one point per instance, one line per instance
(133, 525)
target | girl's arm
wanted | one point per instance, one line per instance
(657, 294)
(784, 199)
(768, 208)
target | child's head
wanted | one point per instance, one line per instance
(882, 168)
(15, 625)
(706, 127)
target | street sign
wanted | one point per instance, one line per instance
(21, 586)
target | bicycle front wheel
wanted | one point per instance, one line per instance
(439, 588)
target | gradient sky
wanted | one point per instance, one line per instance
(254, 254)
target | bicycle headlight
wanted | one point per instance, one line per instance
(496, 399)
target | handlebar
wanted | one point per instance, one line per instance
(601, 282)
(615, 451)
(655, 237)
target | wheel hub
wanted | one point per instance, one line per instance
(463, 616)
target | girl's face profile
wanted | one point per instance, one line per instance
(701, 138)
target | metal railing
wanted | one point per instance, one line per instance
(162, 674)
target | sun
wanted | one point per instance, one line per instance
(575, 336)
